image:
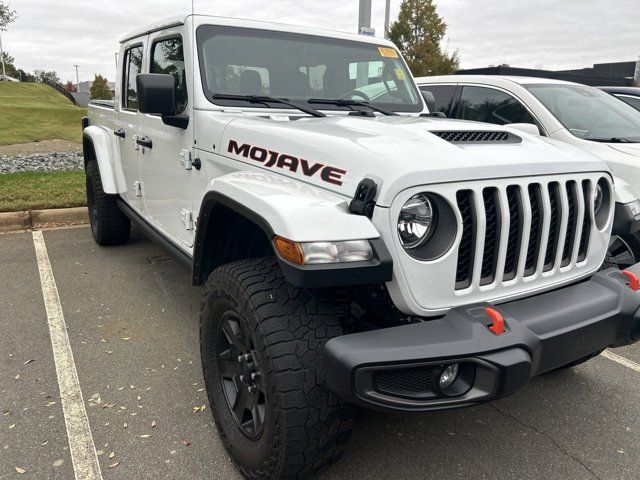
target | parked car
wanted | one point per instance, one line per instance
(7, 78)
(351, 252)
(568, 112)
(630, 95)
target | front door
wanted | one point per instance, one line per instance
(164, 161)
(127, 119)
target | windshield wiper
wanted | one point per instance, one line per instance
(611, 140)
(265, 100)
(343, 102)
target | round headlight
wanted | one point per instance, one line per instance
(597, 201)
(416, 221)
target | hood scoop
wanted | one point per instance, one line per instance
(476, 137)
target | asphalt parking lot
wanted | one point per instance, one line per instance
(132, 323)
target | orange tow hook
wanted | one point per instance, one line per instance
(634, 281)
(497, 327)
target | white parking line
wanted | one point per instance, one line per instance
(83, 450)
(621, 360)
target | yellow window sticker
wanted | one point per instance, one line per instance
(388, 52)
(399, 73)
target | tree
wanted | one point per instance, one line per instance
(47, 77)
(70, 87)
(7, 17)
(418, 34)
(100, 89)
(8, 60)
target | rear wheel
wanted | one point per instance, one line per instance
(261, 343)
(109, 225)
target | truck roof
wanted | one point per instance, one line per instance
(246, 23)
(491, 79)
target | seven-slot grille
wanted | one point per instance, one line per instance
(522, 229)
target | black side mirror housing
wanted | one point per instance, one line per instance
(157, 96)
(156, 93)
(430, 100)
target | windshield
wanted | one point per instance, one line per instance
(242, 61)
(589, 113)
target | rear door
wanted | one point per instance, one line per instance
(127, 119)
(165, 165)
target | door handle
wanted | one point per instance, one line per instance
(144, 142)
(120, 133)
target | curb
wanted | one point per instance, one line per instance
(12, 221)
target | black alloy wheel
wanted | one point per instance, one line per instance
(242, 381)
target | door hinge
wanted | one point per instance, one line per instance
(186, 160)
(187, 218)
(137, 188)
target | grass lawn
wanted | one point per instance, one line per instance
(31, 112)
(38, 190)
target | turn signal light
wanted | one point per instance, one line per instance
(289, 250)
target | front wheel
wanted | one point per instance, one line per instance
(262, 342)
(623, 252)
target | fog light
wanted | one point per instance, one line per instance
(448, 376)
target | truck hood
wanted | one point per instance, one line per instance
(336, 153)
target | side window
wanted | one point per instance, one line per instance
(491, 106)
(168, 57)
(132, 67)
(443, 94)
(633, 101)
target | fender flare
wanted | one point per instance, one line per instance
(241, 191)
(105, 154)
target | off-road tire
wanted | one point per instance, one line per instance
(109, 225)
(306, 426)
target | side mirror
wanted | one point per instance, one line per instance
(429, 99)
(156, 93)
(157, 96)
(529, 128)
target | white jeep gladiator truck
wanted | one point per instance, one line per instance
(354, 250)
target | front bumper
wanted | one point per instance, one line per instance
(398, 368)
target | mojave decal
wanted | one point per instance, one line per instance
(270, 159)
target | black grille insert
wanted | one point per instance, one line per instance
(492, 234)
(554, 226)
(535, 236)
(586, 223)
(466, 251)
(515, 232)
(572, 223)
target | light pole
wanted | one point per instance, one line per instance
(387, 13)
(77, 79)
(364, 15)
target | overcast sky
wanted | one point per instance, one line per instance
(556, 34)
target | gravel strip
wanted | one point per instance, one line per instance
(41, 162)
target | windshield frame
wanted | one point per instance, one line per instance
(200, 39)
(615, 103)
